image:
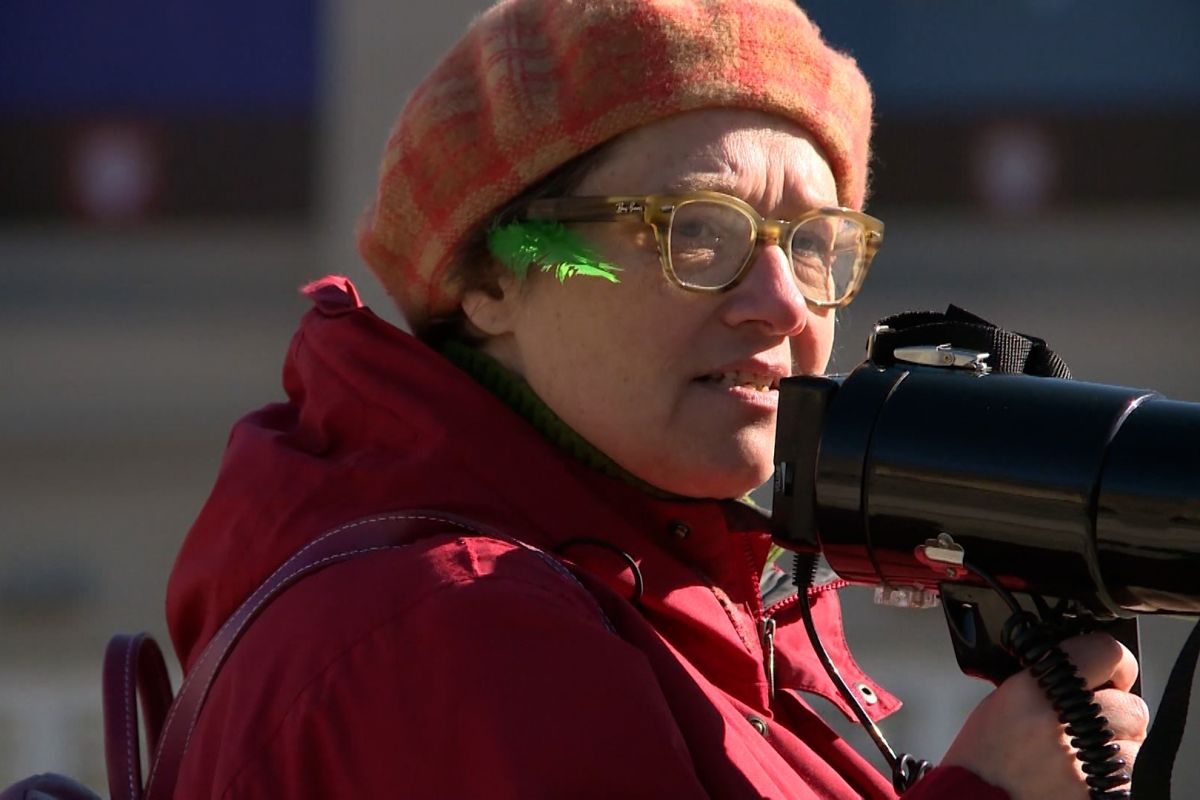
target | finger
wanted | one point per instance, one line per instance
(1129, 753)
(1127, 714)
(1102, 660)
(1127, 756)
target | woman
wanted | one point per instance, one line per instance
(579, 214)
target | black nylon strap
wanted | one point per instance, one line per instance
(1156, 759)
(1010, 352)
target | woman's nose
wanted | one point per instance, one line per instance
(769, 295)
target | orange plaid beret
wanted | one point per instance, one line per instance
(534, 83)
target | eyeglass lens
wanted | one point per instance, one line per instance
(709, 242)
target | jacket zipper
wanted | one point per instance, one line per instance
(813, 591)
(767, 632)
(766, 629)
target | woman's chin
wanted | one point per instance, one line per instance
(702, 460)
(720, 481)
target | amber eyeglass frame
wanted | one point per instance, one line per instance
(658, 210)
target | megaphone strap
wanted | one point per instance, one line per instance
(1156, 759)
(1008, 352)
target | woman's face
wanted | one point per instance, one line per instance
(668, 382)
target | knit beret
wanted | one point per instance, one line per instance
(535, 83)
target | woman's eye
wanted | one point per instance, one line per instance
(698, 229)
(705, 230)
(808, 245)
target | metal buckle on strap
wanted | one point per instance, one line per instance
(943, 355)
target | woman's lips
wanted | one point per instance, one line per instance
(759, 381)
(758, 393)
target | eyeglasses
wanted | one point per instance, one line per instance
(706, 240)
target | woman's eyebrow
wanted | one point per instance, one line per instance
(703, 181)
(793, 207)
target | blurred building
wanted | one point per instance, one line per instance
(171, 173)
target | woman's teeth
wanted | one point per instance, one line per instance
(748, 380)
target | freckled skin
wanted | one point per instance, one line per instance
(621, 363)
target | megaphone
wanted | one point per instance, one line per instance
(934, 478)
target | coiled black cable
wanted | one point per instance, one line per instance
(1031, 642)
(906, 769)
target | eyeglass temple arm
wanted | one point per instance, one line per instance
(586, 209)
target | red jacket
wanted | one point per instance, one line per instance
(469, 667)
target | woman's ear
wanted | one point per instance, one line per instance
(493, 310)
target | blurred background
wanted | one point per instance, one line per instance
(171, 173)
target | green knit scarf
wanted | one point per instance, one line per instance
(516, 393)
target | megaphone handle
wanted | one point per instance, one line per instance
(1035, 645)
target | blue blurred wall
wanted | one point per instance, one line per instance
(949, 55)
(158, 56)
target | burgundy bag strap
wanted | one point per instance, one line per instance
(132, 658)
(133, 668)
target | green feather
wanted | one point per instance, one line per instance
(550, 246)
